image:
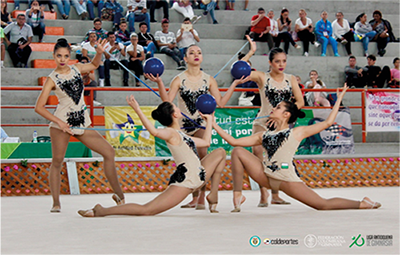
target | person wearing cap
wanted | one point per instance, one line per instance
(135, 56)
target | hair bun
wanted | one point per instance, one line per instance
(62, 41)
(300, 114)
(155, 114)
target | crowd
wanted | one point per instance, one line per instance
(132, 47)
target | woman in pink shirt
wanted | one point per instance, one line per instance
(395, 74)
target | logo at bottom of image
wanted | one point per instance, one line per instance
(312, 241)
(281, 241)
(255, 241)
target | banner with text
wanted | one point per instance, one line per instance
(383, 112)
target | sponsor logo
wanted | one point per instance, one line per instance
(311, 241)
(255, 241)
(379, 240)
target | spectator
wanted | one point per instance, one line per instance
(3, 47)
(246, 3)
(316, 98)
(260, 28)
(363, 32)
(274, 29)
(147, 40)
(20, 37)
(35, 19)
(156, 4)
(323, 31)
(122, 34)
(17, 2)
(167, 42)
(353, 77)
(231, 5)
(304, 29)
(90, 7)
(284, 26)
(298, 78)
(113, 52)
(395, 74)
(89, 81)
(44, 2)
(373, 75)
(89, 52)
(184, 7)
(249, 98)
(117, 11)
(186, 36)
(100, 32)
(135, 56)
(137, 11)
(63, 6)
(5, 16)
(209, 7)
(381, 27)
(80, 7)
(342, 32)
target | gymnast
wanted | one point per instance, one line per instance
(191, 172)
(189, 85)
(274, 86)
(66, 81)
(277, 171)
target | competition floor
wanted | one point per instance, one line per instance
(27, 226)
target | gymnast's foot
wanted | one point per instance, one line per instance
(55, 209)
(264, 197)
(367, 203)
(238, 200)
(95, 212)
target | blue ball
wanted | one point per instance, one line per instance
(240, 68)
(206, 104)
(153, 66)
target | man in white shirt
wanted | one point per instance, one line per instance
(186, 36)
(114, 51)
(137, 12)
(135, 55)
(20, 37)
(167, 42)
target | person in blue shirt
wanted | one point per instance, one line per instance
(323, 31)
(117, 12)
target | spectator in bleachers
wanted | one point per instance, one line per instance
(90, 7)
(186, 36)
(20, 37)
(157, 4)
(298, 78)
(117, 11)
(123, 34)
(5, 16)
(89, 52)
(3, 47)
(100, 32)
(323, 31)
(147, 40)
(342, 32)
(231, 5)
(373, 75)
(184, 7)
(137, 11)
(166, 41)
(63, 6)
(35, 19)
(260, 28)
(274, 28)
(363, 32)
(316, 98)
(81, 8)
(381, 27)
(209, 7)
(42, 2)
(395, 74)
(135, 56)
(89, 81)
(354, 79)
(284, 26)
(304, 29)
(114, 51)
